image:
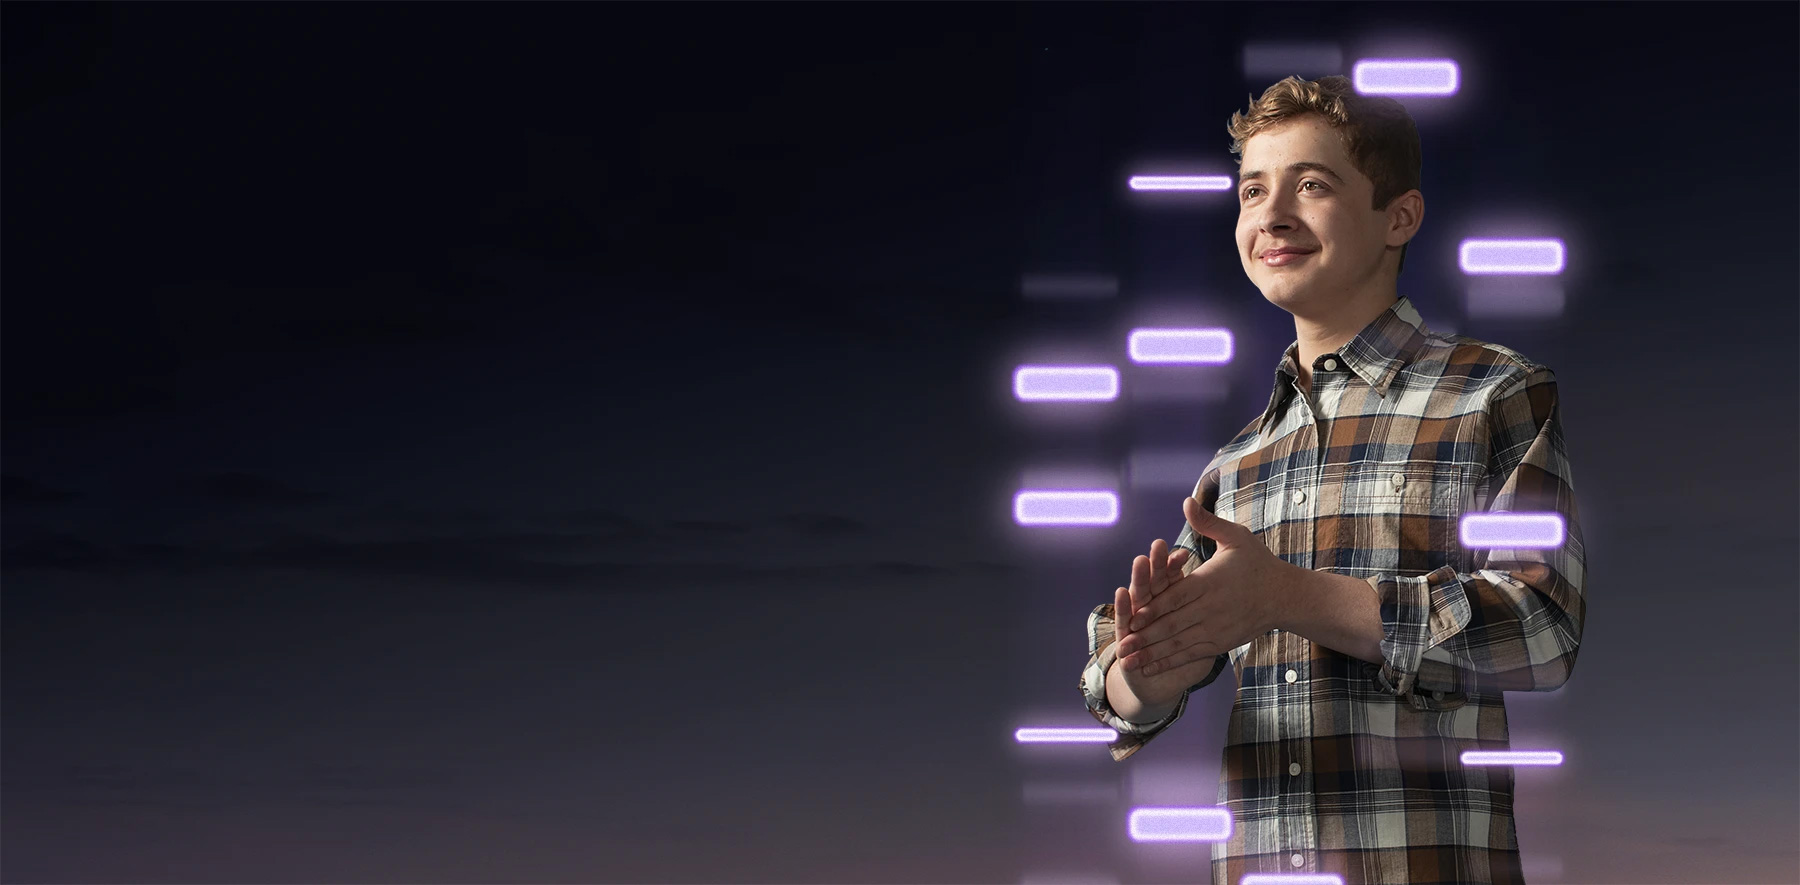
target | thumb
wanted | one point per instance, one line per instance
(1207, 523)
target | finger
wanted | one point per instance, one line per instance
(1182, 648)
(1199, 663)
(1171, 572)
(1166, 616)
(1152, 604)
(1121, 601)
(1159, 567)
(1140, 583)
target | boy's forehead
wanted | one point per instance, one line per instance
(1320, 143)
(1274, 151)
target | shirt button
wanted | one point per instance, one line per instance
(1398, 480)
(1298, 860)
(1330, 365)
(1299, 496)
(1291, 676)
(1293, 768)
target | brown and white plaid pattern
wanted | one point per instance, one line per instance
(1354, 767)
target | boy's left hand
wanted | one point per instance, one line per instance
(1232, 598)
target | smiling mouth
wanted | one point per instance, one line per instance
(1277, 259)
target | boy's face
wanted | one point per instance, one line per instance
(1326, 212)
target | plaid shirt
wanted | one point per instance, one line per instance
(1338, 765)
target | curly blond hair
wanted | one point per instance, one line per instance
(1377, 132)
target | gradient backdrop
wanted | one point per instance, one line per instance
(574, 443)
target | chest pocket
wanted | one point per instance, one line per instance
(1400, 517)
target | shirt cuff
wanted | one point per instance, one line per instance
(1095, 690)
(1418, 613)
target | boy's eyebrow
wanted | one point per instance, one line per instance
(1297, 167)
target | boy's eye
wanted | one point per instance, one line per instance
(1246, 193)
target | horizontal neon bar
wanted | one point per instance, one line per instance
(1065, 735)
(1291, 879)
(1066, 507)
(1066, 383)
(1209, 346)
(1406, 76)
(1539, 256)
(1511, 757)
(1205, 823)
(1482, 531)
(1181, 182)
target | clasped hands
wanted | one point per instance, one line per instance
(1232, 598)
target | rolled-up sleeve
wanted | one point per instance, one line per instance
(1514, 622)
(1102, 641)
(1102, 653)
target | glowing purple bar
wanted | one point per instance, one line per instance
(1406, 76)
(1066, 507)
(1181, 182)
(1291, 879)
(1066, 383)
(1206, 823)
(1208, 346)
(1540, 256)
(1481, 531)
(1511, 757)
(1065, 735)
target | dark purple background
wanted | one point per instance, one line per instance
(570, 442)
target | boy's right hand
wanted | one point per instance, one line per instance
(1150, 575)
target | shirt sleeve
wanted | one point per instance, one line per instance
(1103, 652)
(1514, 622)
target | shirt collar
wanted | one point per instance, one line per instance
(1377, 354)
